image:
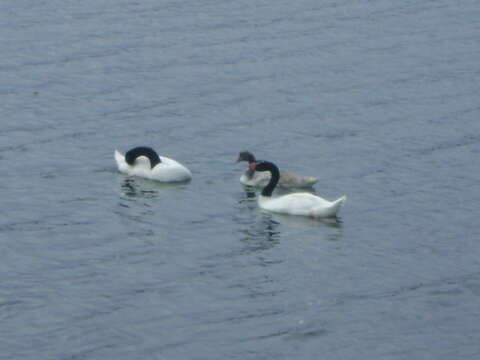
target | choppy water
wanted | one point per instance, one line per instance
(378, 99)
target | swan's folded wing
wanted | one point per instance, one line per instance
(294, 204)
(258, 179)
(290, 180)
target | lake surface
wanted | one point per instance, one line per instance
(378, 99)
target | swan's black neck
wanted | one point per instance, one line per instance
(151, 154)
(268, 166)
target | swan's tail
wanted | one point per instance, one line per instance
(341, 201)
(332, 210)
(337, 204)
(120, 160)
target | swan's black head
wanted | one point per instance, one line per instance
(246, 156)
(151, 154)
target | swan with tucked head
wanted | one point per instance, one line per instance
(144, 162)
(304, 204)
(287, 180)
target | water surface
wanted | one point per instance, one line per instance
(378, 99)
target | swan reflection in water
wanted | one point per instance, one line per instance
(131, 188)
(306, 222)
(137, 187)
(262, 235)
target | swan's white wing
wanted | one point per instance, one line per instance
(294, 204)
(305, 204)
(170, 170)
(258, 179)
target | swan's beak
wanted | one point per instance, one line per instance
(252, 166)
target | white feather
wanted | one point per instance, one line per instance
(304, 204)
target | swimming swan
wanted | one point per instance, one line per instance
(287, 180)
(304, 204)
(144, 162)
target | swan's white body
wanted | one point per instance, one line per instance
(304, 204)
(168, 170)
(287, 180)
(257, 179)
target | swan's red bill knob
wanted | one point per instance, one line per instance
(252, 165)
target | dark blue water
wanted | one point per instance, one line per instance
(378, 99)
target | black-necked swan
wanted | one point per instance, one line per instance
(143, 161)
(287, 180)
(304, 204)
